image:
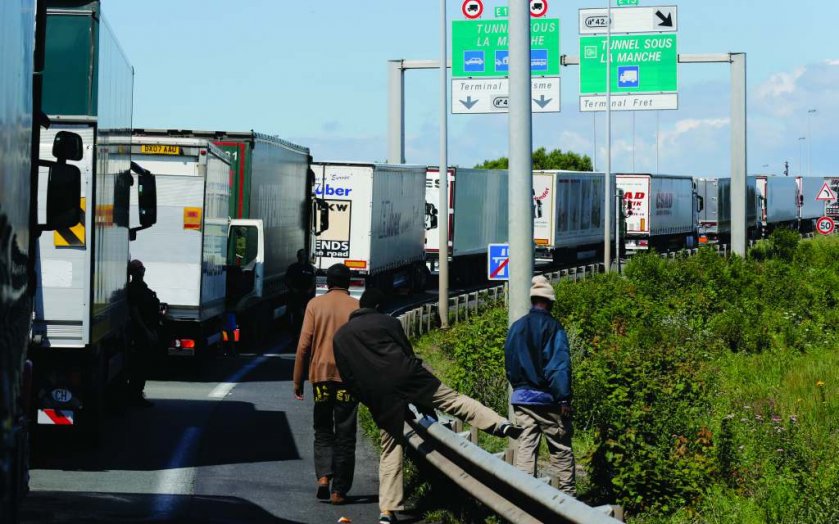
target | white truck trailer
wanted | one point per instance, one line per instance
(375, 225)
(477, 217)
(778, 202)
(185, 255)
(660, 211)
(568, 219)
(714, 209)
(809, 209)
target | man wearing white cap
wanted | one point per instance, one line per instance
(538, 365)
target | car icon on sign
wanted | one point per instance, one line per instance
(474, 61)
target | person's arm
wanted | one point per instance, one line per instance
(304, 348)
(343, 365)
(558, 366)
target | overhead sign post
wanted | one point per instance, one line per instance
(498, 262)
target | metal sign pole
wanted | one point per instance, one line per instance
(443, 253)
(607, 208)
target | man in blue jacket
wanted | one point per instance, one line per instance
(538, 367)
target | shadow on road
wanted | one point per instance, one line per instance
(63, 507)
(146, 440)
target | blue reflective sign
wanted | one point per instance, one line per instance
(473, 61)
(629, 76)
(498, 262)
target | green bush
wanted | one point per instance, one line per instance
(695, 382)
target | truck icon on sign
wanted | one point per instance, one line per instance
(628, 76)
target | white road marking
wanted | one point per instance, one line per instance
(177, 478)
(224, 389)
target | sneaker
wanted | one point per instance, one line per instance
(387, 518)
(337, 499)
(511, 430)
(323, 488)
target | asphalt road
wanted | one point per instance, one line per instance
(225, 443)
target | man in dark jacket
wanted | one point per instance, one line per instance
(538, 367)
(144, 309)
(377, 362)
(300, 279)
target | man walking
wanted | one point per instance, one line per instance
(538, 367)
(335, 412)
(377, 361)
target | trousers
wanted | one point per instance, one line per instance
(335, 421)
(557, 430)
(447, 400)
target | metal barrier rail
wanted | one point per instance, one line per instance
(512, 494)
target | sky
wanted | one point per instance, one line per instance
(315, 73)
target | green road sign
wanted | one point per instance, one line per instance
(624, 3)
(502, 12)
(479, 48)
(640, 64)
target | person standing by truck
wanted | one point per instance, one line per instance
(145, 318)
(336, 410)
(538, 365)
(300, 279)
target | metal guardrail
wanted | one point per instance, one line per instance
(512, 494)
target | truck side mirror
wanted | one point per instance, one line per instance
(147, 199)
(122, 198)
(64, 184)
(700, 203)
(322, 210)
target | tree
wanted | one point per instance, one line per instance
(556, 159)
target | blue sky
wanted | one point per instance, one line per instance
(315, 73)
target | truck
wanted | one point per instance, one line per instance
(270, 210)
(660, 211)
(778, 202)
(831, 207)
(375, 224)
(809, 209)
(714, 209)
(185, 254)
(79, 345)
(568, 219)
(477, 217)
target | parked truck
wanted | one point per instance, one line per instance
(809, 209)
(477, 217)
(714, 209)
(185, 254)
(568, 219)
(660, 211)
(79, 347)
(375, 224)
(778, 202)
(831, 207)
(269, 206)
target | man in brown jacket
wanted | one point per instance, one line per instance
(336, 410)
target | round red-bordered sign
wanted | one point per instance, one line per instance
(825, 225)
(472, 9)
(538, 8)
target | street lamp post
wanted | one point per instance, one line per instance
(810, 114)
(801, 140)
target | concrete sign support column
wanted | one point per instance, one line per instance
(739, 166)
(521, 173)
(396, 112)
(443, 257)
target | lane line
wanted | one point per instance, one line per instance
(176, 480)
(224, 389)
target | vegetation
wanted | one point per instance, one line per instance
(704, 388)
(542, 159)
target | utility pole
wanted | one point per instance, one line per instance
(810, 114)
(607, 197)
(443, 222)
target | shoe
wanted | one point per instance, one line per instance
(323, 488)
(387, 518)
(337, 499)
(511, 430)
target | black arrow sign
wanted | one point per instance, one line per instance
(666, 21)
(469, 103)
(542, 101)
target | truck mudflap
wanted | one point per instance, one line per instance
(56, 417)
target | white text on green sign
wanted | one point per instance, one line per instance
(622, 3)
(640, 64)
(480, 48)
(502, 12)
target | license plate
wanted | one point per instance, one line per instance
(157, 149)
(181, 352)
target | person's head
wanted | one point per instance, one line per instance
(338, 276)
(136, 269)
(301, 255)
(542, 293)
(372, 298)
